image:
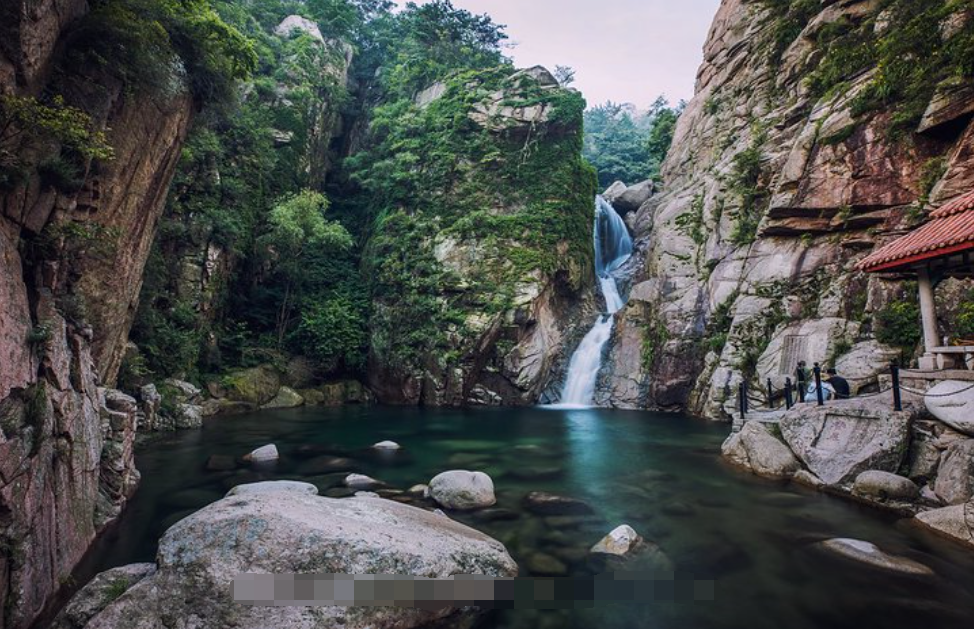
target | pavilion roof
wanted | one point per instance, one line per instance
(950, 231)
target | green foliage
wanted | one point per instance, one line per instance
(691, 223)
(61, 174)
(790, 17)
(898, 325)
(144, 40)
(116, 588)
(25, 116)
(746, 181)
(964, 328)
(333, 332)
(910, 55)
(625, 145)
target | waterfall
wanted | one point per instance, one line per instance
(613, 247)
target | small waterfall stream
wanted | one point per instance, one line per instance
(613, 247)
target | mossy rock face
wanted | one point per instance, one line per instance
(257, 386)
(491, 212)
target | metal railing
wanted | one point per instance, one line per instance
(801, 385)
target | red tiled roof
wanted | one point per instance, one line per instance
(950, 231)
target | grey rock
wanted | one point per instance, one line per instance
(188, 416)
(286, 398)
(286, 533)
(869, 554)
(100, 593)
(120, 402)
(885, 486)
(620, 541)
(633, 197)
(841, 440)
(263, 454)
(955, 522)
(613, 192)
(462, 490)
(756, 449)
(186, 391)
(952, 402)
(362, 482)
(273, 487)
(955, 479)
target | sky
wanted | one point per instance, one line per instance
(621, 50)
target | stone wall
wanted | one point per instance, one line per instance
(713, 300)
(66, 460)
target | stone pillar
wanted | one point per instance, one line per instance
(928, 310)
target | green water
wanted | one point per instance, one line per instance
(659, 473)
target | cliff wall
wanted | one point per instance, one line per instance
(787, 167)
(71, 261)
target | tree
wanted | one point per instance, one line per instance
(626, 145)
(298, 224)
(565, 75)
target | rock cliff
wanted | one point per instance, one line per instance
(478, 269)
(786, 168)
(72, 252)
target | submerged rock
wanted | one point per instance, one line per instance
(545, 565)
(543, 503)
(621, 541)
(869, 554)
(387, 445)
(462, 490)
(287, 533)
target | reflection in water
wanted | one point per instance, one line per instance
(658, 473)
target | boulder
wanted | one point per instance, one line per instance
(841, 440)
(952, 402)
(362, 482)
(288, 533)
(885, 486)
(256, 386)
(756, 449)
(633, 197)
(419, 491)
(93, 598)
(956, 522)
(185, 391)
(542, 503)
(297, 24)
(120, 402)
(221, 406)
(187, 416)
(263, 454)
(273, 487)
(387, 445)
(613, 192)
(463, 491)
(869, 554)
(864, 363)
(621, 541)
(955, 478)
(150, 403)
(312, 397)
(285, 398)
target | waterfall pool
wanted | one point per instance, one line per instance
(659, 473)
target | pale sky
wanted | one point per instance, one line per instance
(621, 50)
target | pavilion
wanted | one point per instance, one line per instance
(941, 248)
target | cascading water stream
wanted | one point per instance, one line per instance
(613, 247)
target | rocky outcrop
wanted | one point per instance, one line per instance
(71, 262)
(462, 491)
(288, 533)
(479, 277)
(770, 194)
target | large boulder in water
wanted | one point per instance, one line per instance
(462, 490)
(841, 440)
(956, 522)
(757, 450)
(289, 533)
(256, 386)
(952, 402)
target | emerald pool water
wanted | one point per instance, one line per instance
(659, 473)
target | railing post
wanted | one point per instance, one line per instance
(742, 400)
(789, 400)
(770, 395)
(818, 385)
(897, 394)
(802, 384)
